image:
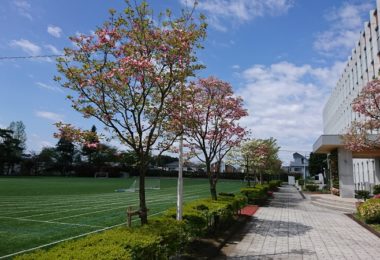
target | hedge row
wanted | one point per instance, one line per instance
(163, 236)
(158, 240)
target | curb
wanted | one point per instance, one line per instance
(302, 195)
(369, 228)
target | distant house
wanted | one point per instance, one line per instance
(224, 168)
(298, 167)
(187, 167)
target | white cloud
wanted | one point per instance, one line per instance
(285, 101)
(53, 49)
(345, 24)
(36, 143)
(235, 67)
(48, 87)
(239, 11)
(27, 46)
(54, 31)
(24, 8)
(50, 116)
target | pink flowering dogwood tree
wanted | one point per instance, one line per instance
(127, 71)
(367, 105)
(211, 122)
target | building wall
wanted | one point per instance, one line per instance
(362, 66)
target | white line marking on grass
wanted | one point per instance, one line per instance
(70, 238)
(50, 222)
(67, 210)
(125, 206)
(62, 198)
(134, 200)
(61, 203)
(167, 196)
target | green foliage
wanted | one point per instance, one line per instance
(316, 163)
(205, 215)
(333, 159)
(162, 160)
(362, 194)
(274, 184)
(311, 187)
(10, 150)
(256, 195)
(228, 194)
(370, 211)
(160, 239)
(376, 189)
(301, 182)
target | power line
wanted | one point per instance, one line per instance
(30, 57)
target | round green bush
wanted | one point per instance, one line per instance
(370, 211)
(311, 187)
(376, 189)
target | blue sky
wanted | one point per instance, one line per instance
(282, 56)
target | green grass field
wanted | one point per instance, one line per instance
(37, 211)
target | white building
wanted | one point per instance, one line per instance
(299, 166)
(362, 66)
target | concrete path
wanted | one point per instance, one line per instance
(292, 228)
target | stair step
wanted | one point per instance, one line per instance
(334, 202)
(333, 207)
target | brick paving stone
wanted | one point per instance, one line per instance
(292, 228)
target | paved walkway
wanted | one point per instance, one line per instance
(292, 228)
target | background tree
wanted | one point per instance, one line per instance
(367, 106)
(211, 122)
(47, 159)
(317, 162)
(125, 74)
(10, 151)
(162, 160)
(105, 154)
(90, 147)
(239, 156)
(266, 157)
(66, 150)
(257, 156)
(18, 132)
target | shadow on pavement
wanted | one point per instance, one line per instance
(279, 228)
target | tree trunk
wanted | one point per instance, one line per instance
(212, 180)
(143, 209)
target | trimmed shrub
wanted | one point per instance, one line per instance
(301, 182)
(362, 194)
(376, 189)
(370, 211)
(226, 194)
(206, 215)
(274, 184)
(311, 187)
(257, 195)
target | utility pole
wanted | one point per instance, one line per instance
(180, 167)
(304, 168)
(180, 180)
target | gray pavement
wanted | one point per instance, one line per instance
(292, 228)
